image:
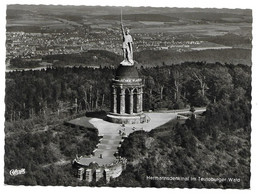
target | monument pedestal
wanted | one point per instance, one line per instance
(127, 97)
(127, 118)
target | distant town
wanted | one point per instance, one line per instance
(28, 45)
(35, 45)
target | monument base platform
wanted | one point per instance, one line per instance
(127, 118)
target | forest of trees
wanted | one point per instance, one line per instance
(167, 57)
(38, 151)
(34, 97)
(90, 58)
(217, 146)
(32, 93)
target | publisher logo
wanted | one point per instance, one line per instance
(15, 172)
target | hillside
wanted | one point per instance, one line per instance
(168, 57)
(147, 58)
(44, 147)
(178, 151)
(98, 58)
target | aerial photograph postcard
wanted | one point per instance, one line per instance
(124, 96)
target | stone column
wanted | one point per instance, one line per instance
(98, 174)
(141, 100)
(138, 100)
(80, 173)
(88, 175)
(114, 100)
(131, 101)
(108, 175)
(122, 101)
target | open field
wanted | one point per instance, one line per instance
(198, 29)
(168, 19)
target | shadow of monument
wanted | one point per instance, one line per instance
(97, 114)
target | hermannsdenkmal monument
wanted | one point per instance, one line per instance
(127, 88)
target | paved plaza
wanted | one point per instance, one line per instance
(112, 135)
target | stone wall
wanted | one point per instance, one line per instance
(110, 171)
(88, 175)
(80, 173)
(130, 119)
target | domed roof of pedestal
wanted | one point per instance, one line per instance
(126, 72)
